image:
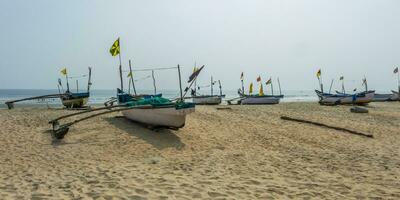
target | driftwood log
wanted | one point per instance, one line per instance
(327, 126)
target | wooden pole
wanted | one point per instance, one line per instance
(58, 86)
(133, 82)
(180, 82)
(220, 88)
(154, 82)
(330, 88)
(242, 87)
(212, 85)
(77, 87)
(66, 76)
(120, 68)
(279, 85)
(195, 81)
(272, 87)
(89, 79)
(129, 86)
(343, 90)
(398, 80)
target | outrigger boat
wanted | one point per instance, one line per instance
(69, 99)
(151, 110)
(360, 98)
(260, 98)
(207, 99)
(336, 99)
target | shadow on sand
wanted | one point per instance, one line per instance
(160, 139)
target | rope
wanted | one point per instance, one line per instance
(151, 69)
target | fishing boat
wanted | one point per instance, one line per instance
(155, 110)
(152, 110)
(69, 99)
(207, 99)
(336, 99)
(260, 98)
(256, 99)
(395, 96)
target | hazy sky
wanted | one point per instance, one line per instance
(289, 39)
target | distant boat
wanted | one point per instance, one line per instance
(336, 99)
(260, 98)
(69, 99)
(255, 99)
(211, 99)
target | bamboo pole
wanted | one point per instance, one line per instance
(77, 87)
(120, 66)
(89, 79)
(133, 82)
(154, 82)
(180, 82)
(211, 85)
(272, 87)
(279, 85)
(220, 88)
(330, 88)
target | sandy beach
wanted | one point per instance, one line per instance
(246, 152)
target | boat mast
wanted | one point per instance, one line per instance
(330, 88)
(77, 88)
(343, 90)
(279, 85)
(398, 80)
(212, 85)
(66, 77)
(154, 82)
(120, 66)
(242, 83)
(180, 83)
(272, 87)
(133, 83)
(220, 88)
(195, 81)
(89, 79)
(366, 85)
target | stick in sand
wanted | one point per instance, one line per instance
(327, 126)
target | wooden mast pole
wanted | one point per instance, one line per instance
(212, 85)
(133, 83)
(154, 82)
(279, 85)
(180, 82)
(77, 87)
(120, 66)
(330, 88)
(220, 88)
(272, 87)
(89, 79)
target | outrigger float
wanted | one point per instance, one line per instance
(69, 99)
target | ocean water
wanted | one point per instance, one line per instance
(100, 96)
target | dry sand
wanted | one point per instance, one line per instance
(246, 152)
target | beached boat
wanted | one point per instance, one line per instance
(335, 99)
(155, 110)
(395, 96)
(75, 100)
(69, 99)
(207, 99)
(256, 99)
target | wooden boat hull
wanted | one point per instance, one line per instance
(159, 117)
(382, 97)
(331, 99)
(75, 103)
(395, 96)
(250, 100)
(207, 100)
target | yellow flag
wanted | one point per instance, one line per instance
(130, 74)
(64, 71)
(114, 50)
(261, 91)
(251, 88)
(319, 73)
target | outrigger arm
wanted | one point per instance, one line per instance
(59, 131)
(10, 104)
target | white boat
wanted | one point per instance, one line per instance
(395, 96)
(265, 99)
(170, 116)
(207, 99)
(335, 99)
